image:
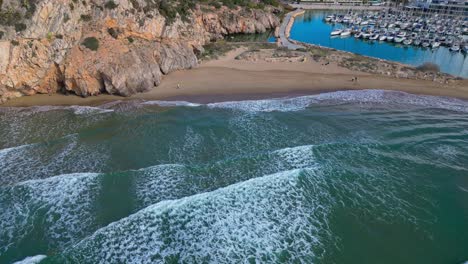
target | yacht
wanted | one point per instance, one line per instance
(374, 37)
(435, 44)
(401, 35)
(383, 38)
(455, 47)
(399, 39)
(346, 33)
(336, 32)
(465, 48)
(407, 41)
(329, 18)
(366, 35)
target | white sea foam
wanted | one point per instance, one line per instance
(76, 109)
(32, 260)
(267, 105)
(29, 161)
(356, 96)
(63, 203)
(173, 181)
(259, 220)
(163, 182)
(386, 96)
(86, 110)
(298, 157)
(172, 103)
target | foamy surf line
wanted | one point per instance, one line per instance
(290, 104)
(76, 109)
(31, 260)
(214, 224)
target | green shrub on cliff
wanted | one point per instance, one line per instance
(111, 4)
(20, 27)
(9, 17)
(18, 12)
(91, 43)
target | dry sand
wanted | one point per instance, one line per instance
(230, 79)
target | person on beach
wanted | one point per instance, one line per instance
(178, 86)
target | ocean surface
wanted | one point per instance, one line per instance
(311, 28)
(344, 177)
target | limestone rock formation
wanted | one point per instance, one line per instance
(99, 46)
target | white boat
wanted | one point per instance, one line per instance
(374, 37)
(407, 41)
(435, 44)
(399, 39)
(336, 32)
(455, 47)
(383, 38)
(425, 44)
(346, 33)
(366, 35)
(329, 18)
(465, 48)
(358, 35)
(390, 38)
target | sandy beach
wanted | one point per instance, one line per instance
(229, 79)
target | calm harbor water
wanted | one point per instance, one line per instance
(344, 177)
(311, 28)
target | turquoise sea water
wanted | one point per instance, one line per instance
(344, 177)
(311, 28)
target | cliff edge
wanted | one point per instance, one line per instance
(118, 47)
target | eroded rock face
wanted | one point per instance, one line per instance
(137, 45)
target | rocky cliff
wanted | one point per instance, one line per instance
(122, 47)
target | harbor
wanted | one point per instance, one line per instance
(339, 30)
(430, 30)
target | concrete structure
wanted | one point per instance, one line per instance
(447, 7)
(339, 2)
(285, 29)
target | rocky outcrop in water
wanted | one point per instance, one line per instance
(117, 47)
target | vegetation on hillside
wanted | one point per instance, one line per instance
(15, 13)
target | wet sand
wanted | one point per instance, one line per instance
(229, 79)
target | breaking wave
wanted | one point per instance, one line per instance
(32, 260)
(76, 109)
(270, 218)
(24, 162)
(62, 203)
(355, 96)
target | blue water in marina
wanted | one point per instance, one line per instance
(311, 28)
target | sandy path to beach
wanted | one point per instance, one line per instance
(228, 78)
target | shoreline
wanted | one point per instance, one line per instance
(230, 84)
(228, 78)
(204, 98)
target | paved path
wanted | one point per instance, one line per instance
(284, 40)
